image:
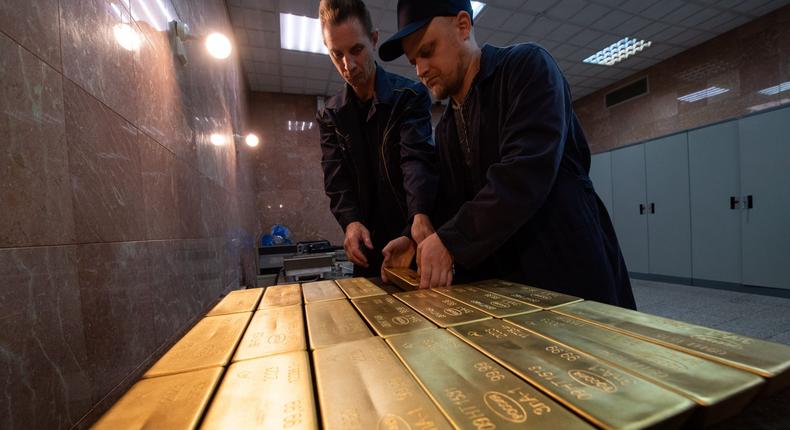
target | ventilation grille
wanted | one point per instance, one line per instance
(626, 93)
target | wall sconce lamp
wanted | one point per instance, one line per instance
(251, 139)
(217, 44)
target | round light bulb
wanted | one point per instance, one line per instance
(126, 36)
(217, 139)
(218, 46)
(252, 140)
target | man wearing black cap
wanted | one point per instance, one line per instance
(516, 201)
(378, 157)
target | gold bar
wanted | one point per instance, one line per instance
(441, 310)
(767, 359)
(473, 391)
(604, 395)
(167, 402)
(273, 331)
(356, 288)
(274, 392)
(389, 316)
(722, 390)
(362, 385)
(278, 296)
(237, 301)
(541, 298)
(321, 291)
(334, 322)
(486, 301)
(210, 343)
(406, 279)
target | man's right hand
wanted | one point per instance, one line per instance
(356, 233)
(398, 253)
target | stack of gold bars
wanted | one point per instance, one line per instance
(347, 354)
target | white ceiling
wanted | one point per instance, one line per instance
(570, 29)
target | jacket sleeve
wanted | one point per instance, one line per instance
(418, 153)
(338, 179)
(533, 129)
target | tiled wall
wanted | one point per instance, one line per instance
(746, 60)
(288, 170)
(119, 222)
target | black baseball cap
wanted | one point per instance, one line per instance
(415, 14)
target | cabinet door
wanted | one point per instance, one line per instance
(714, 179)
(628, 193)
(765, 175)
(601, 176)
(669, 217)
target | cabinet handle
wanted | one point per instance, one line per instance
(734, 203)
(652, 208)
(641, 209)
(749, 202)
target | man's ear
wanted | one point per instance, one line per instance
(374, 36)
(463, 23)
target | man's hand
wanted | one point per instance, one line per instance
(398, 253)
(434, 263)
(421, 228)
(355, 233)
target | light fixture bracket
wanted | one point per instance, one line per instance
(179, 33)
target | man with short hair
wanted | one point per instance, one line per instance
(378, 156)
(517, 201)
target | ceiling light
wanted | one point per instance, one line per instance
(217, 139)
(776, 89)
(300, 125)
(301, 33)
(218, 46)
(476, 8)
(252, 140)
(618, 51)
(703, 94)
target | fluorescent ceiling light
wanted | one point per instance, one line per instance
(300, 125)
(301, 33)
(618, 51)
(776, 89)
(476, 8)
(703, 94)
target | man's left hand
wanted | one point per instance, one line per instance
(434, 263)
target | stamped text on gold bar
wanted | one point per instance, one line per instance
(273, 331)
(270, 392)
(541, 298)
(167, 402)
(442, 310)
(321, 291)
(209, 343)
(278, 296)
(237, 301)
(474, 391)
(389, 316)
(334, 322)
(603, 394)
(362, 385)
(356, 288)
(486, 301)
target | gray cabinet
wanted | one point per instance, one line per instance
(765, 178)
(601, 176)
(629, 206)
(714, 174)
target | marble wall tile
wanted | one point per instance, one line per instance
(34, 25)
(94, 58)
(104, 162)
(159, 190)
(188, 198)
(46, 381)
(175, 304)
(34, 192)
(305, 213)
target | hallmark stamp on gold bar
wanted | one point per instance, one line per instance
(486, 301)
(165, 402)
(539, 297)
(278, 296)
(321, 291)
(605, 395)
(472, 390)
(334, 322)
(271, 392)
(237, 301)
(406, 279)
(362, 385)
(356, 288)
(389, 316)
(210, 343)
(441, 310)
(273, 331)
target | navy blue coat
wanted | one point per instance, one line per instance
(528, 212)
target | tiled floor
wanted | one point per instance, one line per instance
(762, 317)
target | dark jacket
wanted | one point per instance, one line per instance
(407, 173)
(528, 212)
